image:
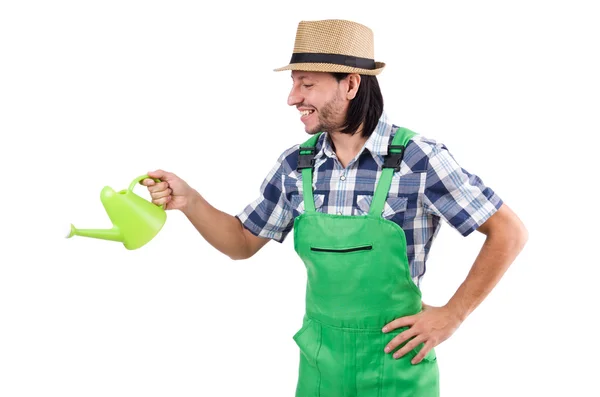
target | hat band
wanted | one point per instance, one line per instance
(309, 57)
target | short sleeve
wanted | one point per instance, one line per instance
(455, 195)
(270, 214)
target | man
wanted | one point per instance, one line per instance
(364, 198)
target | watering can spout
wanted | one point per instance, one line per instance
(135, 220)
(104, 234)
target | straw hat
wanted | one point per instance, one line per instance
(334, 45)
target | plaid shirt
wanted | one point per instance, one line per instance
(430, 186)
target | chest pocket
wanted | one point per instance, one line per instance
(297, 202)
(392, 206)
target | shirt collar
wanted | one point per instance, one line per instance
(376, 144)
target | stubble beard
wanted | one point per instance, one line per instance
(327, 115)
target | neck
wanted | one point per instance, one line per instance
(345, 144)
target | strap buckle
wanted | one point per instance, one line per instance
(393, 160)
(306, 160)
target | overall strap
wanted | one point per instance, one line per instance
(390, 165)
(306, 161)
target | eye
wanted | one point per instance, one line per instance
(307, 85)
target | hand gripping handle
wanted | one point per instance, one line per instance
(138, 180)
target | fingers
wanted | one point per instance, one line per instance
(399, 339)
(157, 194)
(426, 348)
(160, 193)
(414, 342)
(157, 187)
(161, 200)
(400, 322)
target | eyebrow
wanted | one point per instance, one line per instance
(302, 77)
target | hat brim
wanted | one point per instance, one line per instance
(332, 67)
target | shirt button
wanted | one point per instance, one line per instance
(343, 177)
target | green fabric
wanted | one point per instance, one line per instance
(358, 280)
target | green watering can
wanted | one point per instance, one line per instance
(135, 220)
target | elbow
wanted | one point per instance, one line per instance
(506, 226)
(512, 235)
(523, 235)
(516, 237)
(241, 254)
(238, 256)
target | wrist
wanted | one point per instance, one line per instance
(192, 203)
(456, 310)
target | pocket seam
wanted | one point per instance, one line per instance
(297, 202)
(391, 206)
(301, 330)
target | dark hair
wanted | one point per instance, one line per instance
(365, 108)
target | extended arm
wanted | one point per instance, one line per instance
(223, 231)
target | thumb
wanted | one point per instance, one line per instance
(156, 174)
(159, 174)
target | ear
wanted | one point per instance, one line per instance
(353, 84)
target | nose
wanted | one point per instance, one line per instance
(294, 98)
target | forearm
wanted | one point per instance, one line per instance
(221, 230)
(496, 255)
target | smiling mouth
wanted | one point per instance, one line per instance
(305, 113)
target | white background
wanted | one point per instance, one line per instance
(98, 93)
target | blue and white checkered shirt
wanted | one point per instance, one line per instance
(430, 186)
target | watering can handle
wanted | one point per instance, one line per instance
(141, 178)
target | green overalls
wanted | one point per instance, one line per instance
(358, 280)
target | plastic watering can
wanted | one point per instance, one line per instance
(135, 220)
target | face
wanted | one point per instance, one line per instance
(321, 100)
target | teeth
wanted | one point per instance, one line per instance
(306, 112)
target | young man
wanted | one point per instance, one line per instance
(364, 199)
